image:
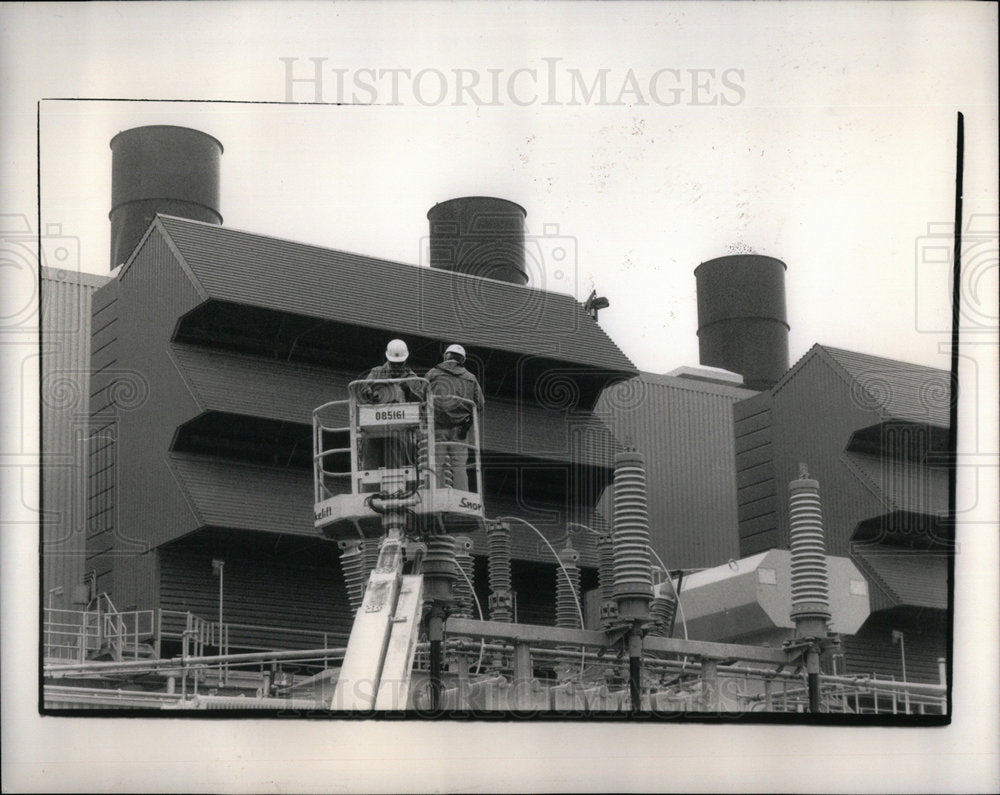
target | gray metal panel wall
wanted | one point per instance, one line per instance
(137, 398)
(102, 469)
(292, 585)
(813, 415)
(257, 387)
(924, 638)
(756, 490)
(64, 387)
(685, 430)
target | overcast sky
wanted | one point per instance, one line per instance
(643, 138)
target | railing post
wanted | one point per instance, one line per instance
(522, 675)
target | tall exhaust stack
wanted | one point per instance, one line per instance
(160, 169)
(479, 236)
(742, 323)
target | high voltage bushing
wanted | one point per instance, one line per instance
(810, 588)
(606, 578)
(423, 461)
(662, 609)
(463, 606)
(568, 590)
(352, 565)
(501, 599)
(369, 553)
(633, 575)
(439, 568)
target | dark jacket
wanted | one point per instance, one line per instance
(451, 379)
(403, 392)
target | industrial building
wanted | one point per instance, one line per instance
(186, 513)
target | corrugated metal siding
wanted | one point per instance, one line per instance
(924, 639)
(246, 385)
(229, 494)
(272, 500)
(292, 277)
(913, 578)
(685, 430)
(102, 471)
(757, 493)
(65, 424)
(136, 398)
(902, 485)
(812, 420)
(897, 390)
(291, 586)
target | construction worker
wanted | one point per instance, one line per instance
(453, 418)
(396, 450)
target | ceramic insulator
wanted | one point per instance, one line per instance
(632, 574)
(810, 588)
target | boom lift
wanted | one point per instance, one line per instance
(377, 477)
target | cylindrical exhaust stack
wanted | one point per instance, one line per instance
(632, 573)
(160, 169)
(479, 236)
(742, 322)
(810, 587)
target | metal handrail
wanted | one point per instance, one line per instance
(427, 427)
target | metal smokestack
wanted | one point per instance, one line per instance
(479, 236)
(160, 169)
(742, 323)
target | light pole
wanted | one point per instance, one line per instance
(897, 637)
(57, 591)
(217, 567)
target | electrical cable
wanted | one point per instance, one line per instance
(576, 598)
(479, 609)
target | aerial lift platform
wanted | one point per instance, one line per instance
(377, 477)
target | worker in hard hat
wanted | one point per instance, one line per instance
(397, 450)
(455, 391)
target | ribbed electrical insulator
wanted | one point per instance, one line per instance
(633, 576)
(369, 552)
(423, 463)
(463, 606)
(439, 567)
(662, 609)
(810, 588)
(568, 591)
(352, 565)
(501, 601)
(606, 578)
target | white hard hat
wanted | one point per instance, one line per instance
(457, 349)
(396, 351)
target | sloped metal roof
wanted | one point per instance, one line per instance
(245, 385)
(910, 578)
(273, 500)
(897, 390)
(246, 496)
(902, 485)
(261, 271)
